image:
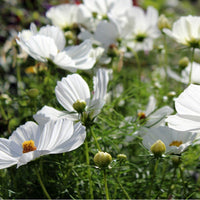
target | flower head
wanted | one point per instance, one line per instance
(49, 44)
(186, 31)
(175, 141)
(63, 16)
(73, 93)
(31, 141)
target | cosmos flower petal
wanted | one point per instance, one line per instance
(56, 34)
(188, 101)
(74, 141)
(6, 160)
(48, 113)
(27, 157)
(183, 123)
(28, 131)
(158, 117)
(100, 82)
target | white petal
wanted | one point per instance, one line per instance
(48, 113)
(64, 61)
(55, 133)
(80, 54)
(6, 160)
(188, 101)
(56, 34)
(71, 89)
(107, 37)
(74, 141)
(27, 157)
(184, 123)
(41, 47)
(28, 131)
(158, 117)
(151, 105)
(100, 82)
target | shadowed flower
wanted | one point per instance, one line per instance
(175, 141)
(31, 141)
(185, 73)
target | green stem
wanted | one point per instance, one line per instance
(182, 177)
(88, 169)
(153, 176)
(42, 185)
(95, 139)
(3, 112)
(19, 80)
(165, 60)
(124, 191)
(192, 60)
(172, 181)
(105, 183)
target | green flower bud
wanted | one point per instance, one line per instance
(183, 62)
(69, 35)
(121, 157)
(176, 160)
(163, 22)
(33, 93)
(79, 106)
(158, 148)
(102, 159)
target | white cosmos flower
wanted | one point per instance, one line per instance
(175, 141)
(91, 12)
(73, 89)
(153, 116)
(186, 31)
(145, 30)
(188, 110)
(31, 141)
(185, 73)
(63, 16)
(49, 44)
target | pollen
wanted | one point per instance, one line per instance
(176, 143)
(28, 146)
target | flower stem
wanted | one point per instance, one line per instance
(105, 183)
(124, 191)
(88, 170)
(95, 139)
(192, 60)
(153, 177)
(42, 185)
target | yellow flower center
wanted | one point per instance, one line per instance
(28, 146)
(176, 143)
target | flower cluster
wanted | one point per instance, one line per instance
(90, 69)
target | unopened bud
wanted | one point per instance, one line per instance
(158, 148)
(33, 93)
(163, 22)
(79, 106)
(121, 157)
(176, 160)
(69, 35)
(183, 62)
(102, 159)
(113, 50)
